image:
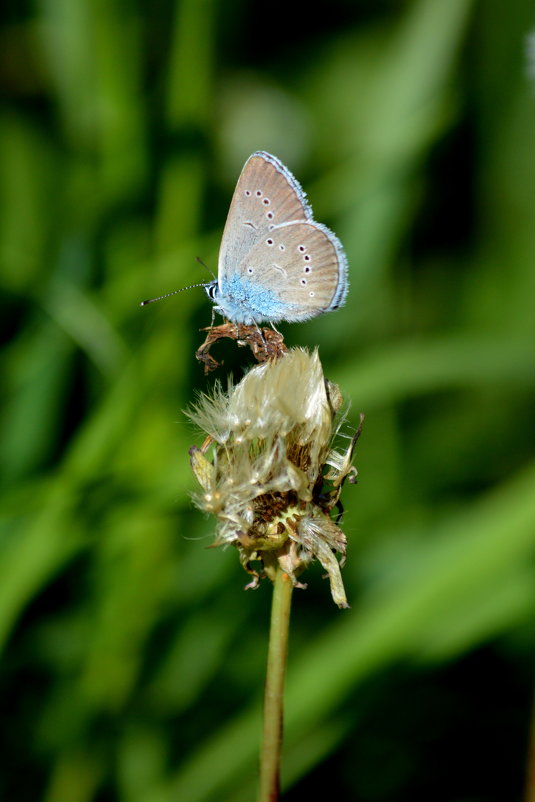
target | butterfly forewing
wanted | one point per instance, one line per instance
(266, 195)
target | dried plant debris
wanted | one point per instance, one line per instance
(264, 343)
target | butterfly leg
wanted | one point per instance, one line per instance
(262, 338)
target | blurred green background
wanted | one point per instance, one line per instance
(133, 661)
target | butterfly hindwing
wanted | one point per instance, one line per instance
(299, 263)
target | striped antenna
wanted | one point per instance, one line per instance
(168, 294)
(200, 261)
(191, 286)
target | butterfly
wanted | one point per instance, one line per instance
(276, 263)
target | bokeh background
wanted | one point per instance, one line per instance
(133, 661)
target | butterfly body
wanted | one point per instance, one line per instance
(275, 263)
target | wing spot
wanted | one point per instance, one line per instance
(282, 247)
(303, 281)
(251, 225)
(266, 201)
(311, 294)
(271, 227)
(307, 269)
(250, 271)
(269, 215)
(306, 257)
(301, 248)
(269, 241)
(258, 193)
(247, 193)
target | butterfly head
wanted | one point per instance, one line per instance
(212, 290)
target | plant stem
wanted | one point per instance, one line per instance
(274, 691)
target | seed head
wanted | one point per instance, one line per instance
(268, 469)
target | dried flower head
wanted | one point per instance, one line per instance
(268, 469)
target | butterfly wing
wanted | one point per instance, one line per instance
(297, 271)
(266, 195)
(276, 263)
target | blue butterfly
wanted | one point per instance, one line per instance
(275, 263)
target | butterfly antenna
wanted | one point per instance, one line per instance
(200, 261)
(168, 294)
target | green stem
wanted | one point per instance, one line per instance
(274, 692)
